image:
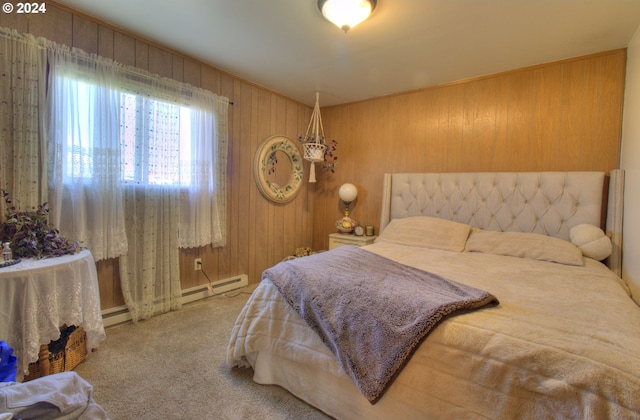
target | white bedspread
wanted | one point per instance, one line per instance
(563, 344)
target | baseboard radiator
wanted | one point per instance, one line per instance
(120, 314)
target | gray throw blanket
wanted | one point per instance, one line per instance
(372, 312)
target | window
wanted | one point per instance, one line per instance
(112, 129)
(155, 138)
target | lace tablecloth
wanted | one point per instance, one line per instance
(39, 296)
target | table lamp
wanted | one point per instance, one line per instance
(348, 193)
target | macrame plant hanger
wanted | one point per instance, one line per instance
(313, 144)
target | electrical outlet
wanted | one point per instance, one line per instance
(197, 264)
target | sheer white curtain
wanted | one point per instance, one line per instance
(151, 186)
(150, 272)
(84, 152)
(203, 215)
(22, 145)
(137, 170)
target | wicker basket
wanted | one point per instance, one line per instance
(314, 152)
(62, 359)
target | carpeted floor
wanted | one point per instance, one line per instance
(173, 367)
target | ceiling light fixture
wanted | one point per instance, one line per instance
(346, 14)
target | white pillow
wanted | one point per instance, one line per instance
(524, 245)
(426, 232)
(591, 240)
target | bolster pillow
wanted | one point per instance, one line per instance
(591, 240)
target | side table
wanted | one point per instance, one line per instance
(340, 239)
(38, 296)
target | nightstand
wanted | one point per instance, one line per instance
(339, 239)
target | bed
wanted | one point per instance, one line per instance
(560, 340)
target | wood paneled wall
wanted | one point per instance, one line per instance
(560, 116)
(260, 233)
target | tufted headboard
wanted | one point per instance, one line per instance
(549, 203)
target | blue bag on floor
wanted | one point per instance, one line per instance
(8, 363)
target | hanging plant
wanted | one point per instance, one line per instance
(316, 148)
(327, 156)
(31, 235)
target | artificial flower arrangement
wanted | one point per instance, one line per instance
(303, 252)
(31, 235)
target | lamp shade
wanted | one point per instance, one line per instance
(348, 192)
(346, 14)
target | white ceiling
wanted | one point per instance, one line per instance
(287, 46)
